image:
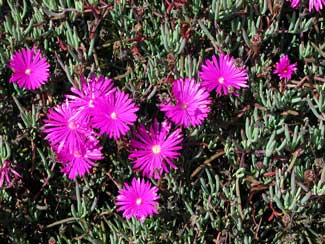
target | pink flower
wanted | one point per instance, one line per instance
(64, 128)
(153, 150)
(294, 3)
(80, 161)
(284, 69)
(137, 200)
(5, 171)
(222, 75)
(113, 114)
(91, 90)
(317, 4)
(31, 70)
(191, 106)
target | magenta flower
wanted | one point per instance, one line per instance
(222, 75)
(91, 90)
(294, 3)
(5, 171)
(80, 161)
(137, 200)
(64, 128)
(31, 70)
(113, 114)
(191, 106)
(284, 69)
(317, 4)
(153, 150)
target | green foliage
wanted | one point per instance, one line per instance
(254, 172)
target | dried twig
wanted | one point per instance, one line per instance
(207, 162)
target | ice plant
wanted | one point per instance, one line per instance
(316, 4)
(284, 69)
(31, 69)
(154, 149)
(80, 161)
(91, 90)
(223, 75)
(191, 105)
(5, 171)
(137, 200)
(113, 114)
(64, 128)
(294, 3)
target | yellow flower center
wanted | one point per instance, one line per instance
(221, 80)
(72, 125)
(91, 103)
(28, 71)
(113, 115)
(77, 154)
(138, 201)
(156, 149)
(184, 106)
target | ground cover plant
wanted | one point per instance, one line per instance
(162, 121)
